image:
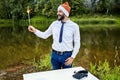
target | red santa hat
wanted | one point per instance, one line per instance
(65, 8)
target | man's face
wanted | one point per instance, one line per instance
(61, 15)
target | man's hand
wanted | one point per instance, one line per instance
(31, 29)
(69, 61)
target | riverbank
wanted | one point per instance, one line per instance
(102, 70)
(100, 21)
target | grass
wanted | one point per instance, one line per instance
(43, 64)
(104, 72)
(84, 21)
(6, 22)
(97, 21)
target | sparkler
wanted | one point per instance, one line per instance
(28, 11)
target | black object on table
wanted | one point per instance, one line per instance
(80, 74)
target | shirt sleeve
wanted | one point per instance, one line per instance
(76, 41)
(45, 34)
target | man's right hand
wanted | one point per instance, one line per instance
(31, 29)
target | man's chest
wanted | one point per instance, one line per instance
(68, 30)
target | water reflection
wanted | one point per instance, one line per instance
(97, 44)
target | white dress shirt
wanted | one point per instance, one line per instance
(71, 34)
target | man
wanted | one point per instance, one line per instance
(64, 33)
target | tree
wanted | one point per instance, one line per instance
(115, 7)
(101, 6)
(5, 10)
(47, 7)
(14, 8)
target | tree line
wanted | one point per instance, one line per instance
(16, 9)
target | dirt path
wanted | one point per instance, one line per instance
(16, 72)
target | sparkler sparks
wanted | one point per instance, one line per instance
(28, 11)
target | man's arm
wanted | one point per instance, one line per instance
(76, 46)
(41, 34)
(76, 42)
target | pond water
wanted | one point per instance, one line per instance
(97, 44)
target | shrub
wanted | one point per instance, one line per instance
(104, 72)
(43, 64)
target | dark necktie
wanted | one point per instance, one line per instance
(61, 32)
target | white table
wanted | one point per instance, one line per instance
(62, 74)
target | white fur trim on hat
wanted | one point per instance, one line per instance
(64, 10)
